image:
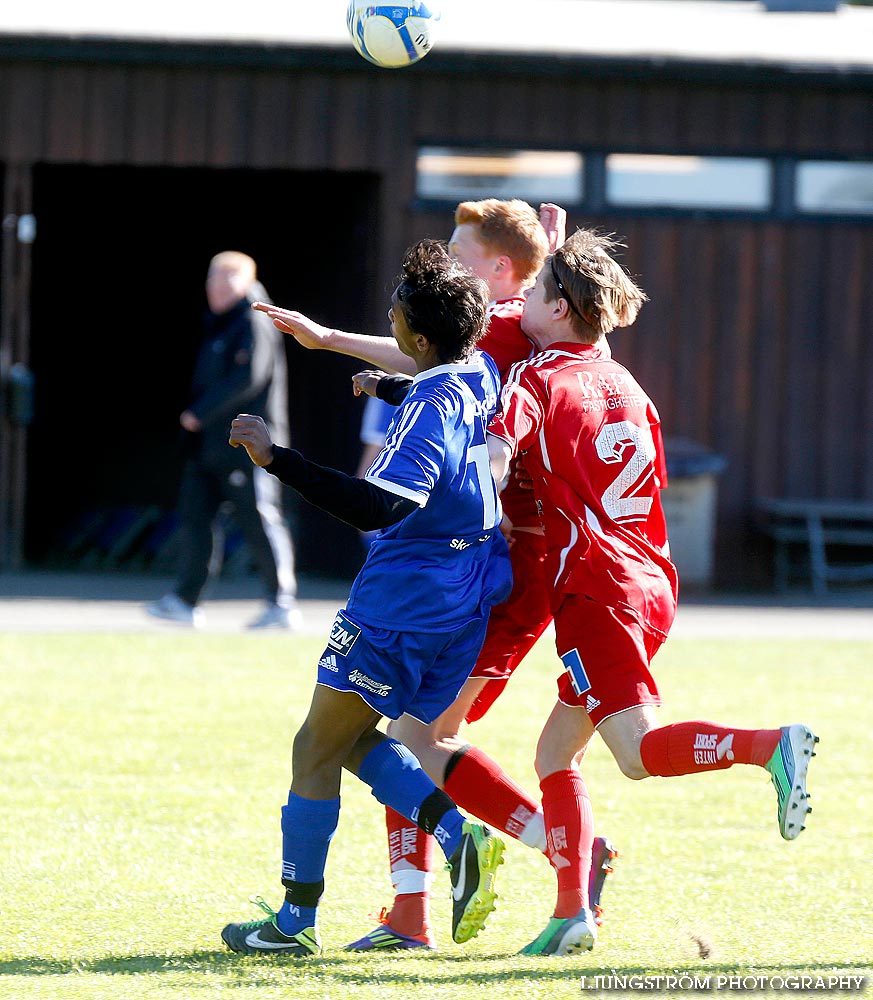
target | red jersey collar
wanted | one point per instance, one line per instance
(588, 352)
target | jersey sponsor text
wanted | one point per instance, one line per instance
(343, 634)
(368, 684)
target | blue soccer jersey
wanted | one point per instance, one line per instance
(446, 563)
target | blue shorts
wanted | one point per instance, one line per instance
(419, 673)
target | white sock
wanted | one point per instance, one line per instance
(407, 880)
(534, 832)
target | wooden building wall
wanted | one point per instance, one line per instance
(756, 341)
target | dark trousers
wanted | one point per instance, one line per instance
(255, 499)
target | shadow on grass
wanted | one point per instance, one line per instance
(359, 969)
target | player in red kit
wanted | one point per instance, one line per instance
(591, 442)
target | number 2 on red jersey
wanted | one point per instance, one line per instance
(629, 497)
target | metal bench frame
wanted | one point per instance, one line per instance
(817, 524)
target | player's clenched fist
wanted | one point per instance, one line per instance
(366, 382)
(251, 432)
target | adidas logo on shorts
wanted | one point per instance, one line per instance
(329, 663)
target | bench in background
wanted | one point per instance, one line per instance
(818, 524)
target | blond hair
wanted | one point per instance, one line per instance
(239, 263)
(599, 291)
(508, 227)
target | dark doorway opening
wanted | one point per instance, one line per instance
(117, 298)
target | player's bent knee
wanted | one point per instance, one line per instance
(546, 764)
(312, 751)
(410, 733)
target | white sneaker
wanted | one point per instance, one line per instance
(565, 937)
(172, 608)
(275, 616)
(788, 767)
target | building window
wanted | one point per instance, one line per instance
(690, 182)
(835, 188)
(452, 174)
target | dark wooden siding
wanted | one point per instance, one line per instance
(756, 340)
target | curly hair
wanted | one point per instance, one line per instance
(442, 300)
(600, 292)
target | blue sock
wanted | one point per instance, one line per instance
(307, 828)
(398, 780)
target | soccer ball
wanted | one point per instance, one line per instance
(392, 35)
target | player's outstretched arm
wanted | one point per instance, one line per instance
(251, 432)
(380, 351)
(359, 503)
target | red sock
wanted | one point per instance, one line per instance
(409, 914)
(690, 747)
(410, 851)
(481, 786)
(569, 833)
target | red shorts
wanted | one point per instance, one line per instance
(606, 655)
(515, 625)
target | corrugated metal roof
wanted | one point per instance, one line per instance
(717, 31)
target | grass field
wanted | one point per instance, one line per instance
(143, 775)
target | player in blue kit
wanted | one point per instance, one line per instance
(418, 609)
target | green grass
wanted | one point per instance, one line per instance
(143, 776)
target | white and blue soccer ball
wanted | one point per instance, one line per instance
(393, 35)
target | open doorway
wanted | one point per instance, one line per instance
(117, 297)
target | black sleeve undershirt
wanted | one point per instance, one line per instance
(361, 504)
(393, 388)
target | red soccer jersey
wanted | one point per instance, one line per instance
(592, 443)
(503, 338)
(507, 345)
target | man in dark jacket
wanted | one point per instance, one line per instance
(241, 366)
